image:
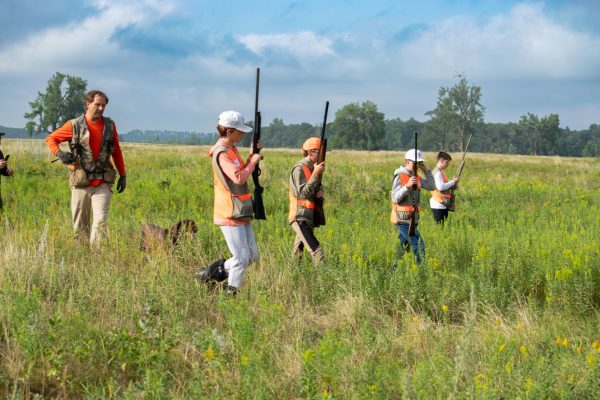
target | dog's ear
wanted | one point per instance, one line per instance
(175, 231)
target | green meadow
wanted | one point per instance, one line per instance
(506, 304)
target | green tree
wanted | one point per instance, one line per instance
(63, 99)
(443, 120)
(358, 126)
(592, 146)
(459, 111)
(541, 133)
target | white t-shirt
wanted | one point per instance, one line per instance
(440, 185)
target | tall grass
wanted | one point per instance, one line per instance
(505, 304)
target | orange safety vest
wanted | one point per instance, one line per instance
(444, 196)
(231, 201)
(297, 205)
(401, 211)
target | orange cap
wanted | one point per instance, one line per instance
(311, 144)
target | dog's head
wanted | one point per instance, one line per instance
(186, 226)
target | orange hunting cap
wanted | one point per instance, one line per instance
(312, 143)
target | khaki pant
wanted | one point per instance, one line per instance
(305, 238)
(95, 199)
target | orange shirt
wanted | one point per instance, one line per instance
(65, 133)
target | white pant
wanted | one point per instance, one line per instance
(90, 198)
(242, 245)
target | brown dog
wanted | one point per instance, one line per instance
(153, 236)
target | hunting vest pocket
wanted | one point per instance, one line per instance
(403, 216)
(110, 176)
(447, 201)
(243, 206)
(78, 178)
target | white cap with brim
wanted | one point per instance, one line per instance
(410, 155)
(234, 120)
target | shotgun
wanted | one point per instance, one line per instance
(452, 205)
(319, 215)
(259, 207)
(462, 162)
(412, 227)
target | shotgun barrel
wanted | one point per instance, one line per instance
(413, 215)
(259, 207)
(319, 215)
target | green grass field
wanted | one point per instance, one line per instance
(506, 304)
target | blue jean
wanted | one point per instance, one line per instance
(416, 242)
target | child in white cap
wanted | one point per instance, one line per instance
(233, 204)
(406, 196)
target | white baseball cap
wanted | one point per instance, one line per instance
(233, 119)
(410, 155)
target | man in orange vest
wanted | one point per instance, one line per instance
(441, 198)
(304, 189)
(406, 199)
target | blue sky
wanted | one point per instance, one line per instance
(176, 64)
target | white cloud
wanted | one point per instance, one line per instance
(300, 44)
(524, 44)
(85, 42)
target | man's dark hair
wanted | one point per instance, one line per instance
(89, 96)
(442, 155)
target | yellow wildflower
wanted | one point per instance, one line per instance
(444, 308)
(481, 383)
(209, 354)
(591, 359)
(528, 384)
(308, 356)
(523, 351)
(435, 263)
(595, 345)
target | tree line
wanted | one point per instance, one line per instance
(457, 114)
